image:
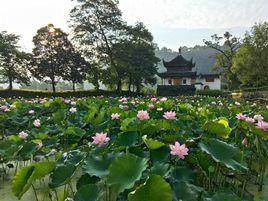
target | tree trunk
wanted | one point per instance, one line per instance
(73, 86)
(119, 85)
(138, 88)
(10, 87)
(129, 84)
(53, 85)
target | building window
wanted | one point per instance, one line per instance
(209, 79)
(170, 81)
(184, 81)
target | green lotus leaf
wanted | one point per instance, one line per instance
(73, 157)
(86, 179)
(186, 191)
(125, 170)
(62, 175)
(43, 168)
(127, 139)
(98, 165)
(89, 192)
(183, 174)
(59, 116)
(224, 153)
(224, 195)
(219, 127)
(154, 189)
(22, 181)
(75, 132)
(160, 169)
(160, 155)
(152, 144)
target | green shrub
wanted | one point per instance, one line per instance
(78, 94)
(214, 93)
(163, 90)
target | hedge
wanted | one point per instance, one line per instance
(253, 89)
(163, 90)
(65, 94)
(214, 93)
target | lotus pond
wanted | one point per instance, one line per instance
(135, 149)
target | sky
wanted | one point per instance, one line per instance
(173, 23)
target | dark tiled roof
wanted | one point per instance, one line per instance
(177, 74)
(215, 75)
(179, 61)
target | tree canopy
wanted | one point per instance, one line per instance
(251, 60)
(13, 61)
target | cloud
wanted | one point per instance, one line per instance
(167, 19)
(194, 14)
(24, 17)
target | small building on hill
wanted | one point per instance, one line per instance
(181, 71)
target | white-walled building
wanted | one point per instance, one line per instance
(183, 72)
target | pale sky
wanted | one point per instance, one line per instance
(173, 23)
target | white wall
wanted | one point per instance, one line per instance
(89, 86)
(216, 85)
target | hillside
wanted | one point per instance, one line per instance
(201, 56)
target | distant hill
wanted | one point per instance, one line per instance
(201, 56)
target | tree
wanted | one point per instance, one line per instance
(51, 48)
(251, 60)
(13, 62)
(227, 47)
(76, 67)
(96, 25)
(135, 57)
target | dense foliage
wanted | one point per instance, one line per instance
(136, 149)
(13, 61)
(251, 61)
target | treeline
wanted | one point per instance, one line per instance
(102, 48)
(242, 62)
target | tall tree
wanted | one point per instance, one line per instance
(13, 61)
(227, 46)
(76, 68)
(96, 25)
(135, 57)
(251, 61)
(51, 48)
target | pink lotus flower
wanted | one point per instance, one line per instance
(143, 115)
(23, 135)
(151, 106)
(100, 138)
(170, 115)
(245, 141)
(159, 109)
(7, 110)
(250, 120)
(39, 144)
(241, 116)
(237, 103)
(124, 107)
(115, 116)
(4, 107)
(153, 99)
(124, 99)
(73, 110)
(179, 150)
(262, 125)
(73, 103)
(258, 117)
(163, 99)
(37, 123)
(31, 112)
